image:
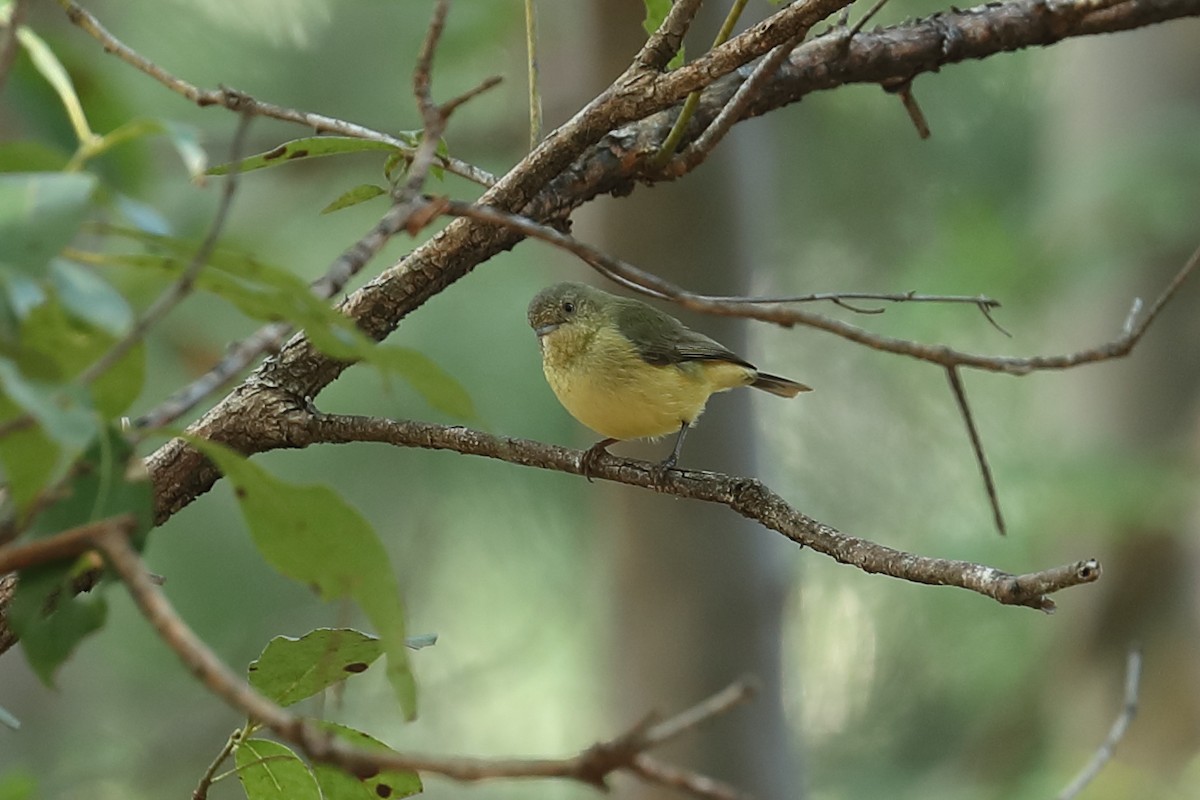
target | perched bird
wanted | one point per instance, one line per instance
(629, 371)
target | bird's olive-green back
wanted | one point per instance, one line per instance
(659, 338)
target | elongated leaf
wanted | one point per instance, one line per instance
(290, 670)
(56, 75)
(338, 785)
(183, 137)
(39, 214)
(90, 298)
(271, 294)
(352, 197)
(311, 534)
(64, 412)
(308, 147)
(434, 384)
(270, 771)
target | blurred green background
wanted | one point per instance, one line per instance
(1063, 182)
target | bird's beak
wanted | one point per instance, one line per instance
(545, 329)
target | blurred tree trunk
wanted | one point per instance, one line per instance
(1148, 403)
(697, 592)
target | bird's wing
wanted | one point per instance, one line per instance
(661, 339)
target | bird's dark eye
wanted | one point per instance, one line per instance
(568, 307)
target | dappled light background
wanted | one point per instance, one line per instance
(1063, 182)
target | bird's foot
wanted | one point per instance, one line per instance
(658, 472)
(589, 462)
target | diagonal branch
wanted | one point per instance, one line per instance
(746, 496)
(234, 100)
(604, 149)
(1104, 753)
(592, 765)
(964, 408)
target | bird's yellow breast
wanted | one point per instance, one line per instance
(600, 378)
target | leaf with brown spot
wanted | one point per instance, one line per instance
(289, 670)
(312, 147)
(337, 784)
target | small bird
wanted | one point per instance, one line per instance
(629, 371)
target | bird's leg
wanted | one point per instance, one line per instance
(659, 471)
(588, 462)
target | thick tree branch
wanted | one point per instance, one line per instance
(747, 496)
(567, 170)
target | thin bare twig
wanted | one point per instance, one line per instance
(746, 496)
(236, 100)
(239, 355)
(206, 780)
(1104, 753)
(964, 408)
(397, 218)
(664, 43)
(629, 276)
(667, 150)
(61, 546)
(903, 90)
(652, 770)
(698, 151)
(871, 12)
(592, 765)
(182, 287)
(535, 94)
(718, 704)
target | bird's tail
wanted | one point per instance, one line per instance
(777, 385)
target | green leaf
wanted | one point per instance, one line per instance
(352, 197)
(48, 640)
(28, 155)
(271, 771)
(107, 481)
(142, 216)
(396, 165)
(336, 784)
(39, 214)
(64, 412)
(270, 293)
(45, 62)
(18, 784)
(434, 384)
(310, 534)
(308, 147)
(29, 456)
(54, 347)
(90, 298)
(290, 670)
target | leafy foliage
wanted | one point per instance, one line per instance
(312, 147)
(50, 617)
(310, 534)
